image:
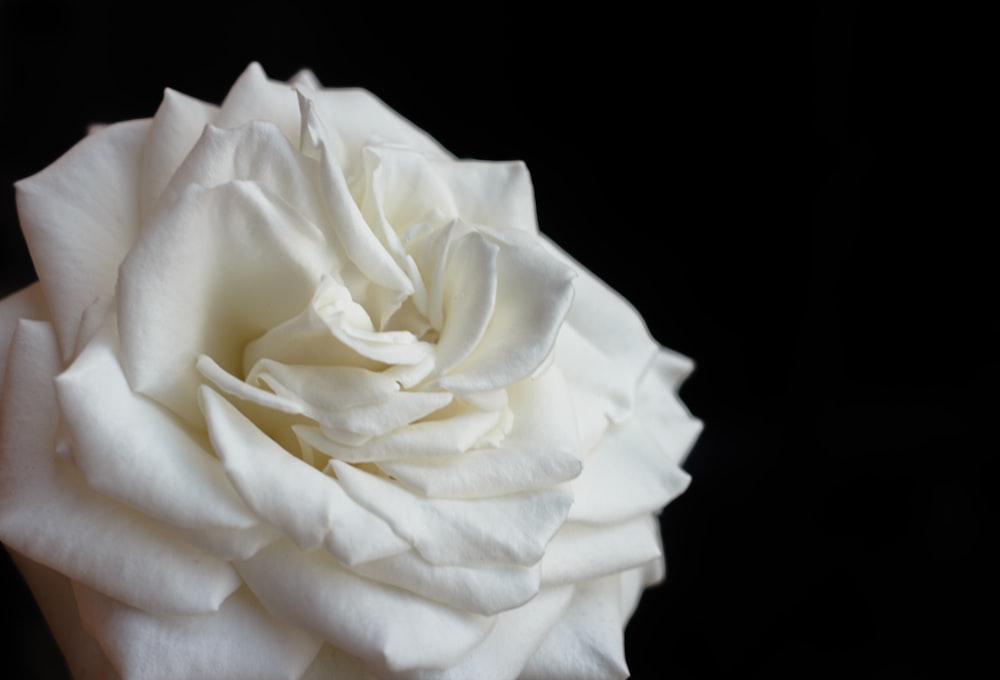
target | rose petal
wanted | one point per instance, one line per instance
(541, 450)
(383, 625)
(407, 187)
(80, 217)
(131, 449)
(27, 303)
(357, 118)
(177, 125)
(48, 513)
(426, 439)
(255, 97)
(257, 152)
(382, 282)
(663, 415)
(290, 494)
(485, 590)
(630, 473)
(534, 292)
(586, 643)
(634, 581)
(257, 257)
(514, 638)
(609, 348)
(54, 595)
(332, 663)
(581, 552)
(241, 640)
(512, 529)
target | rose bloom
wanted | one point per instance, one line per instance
(301, 395)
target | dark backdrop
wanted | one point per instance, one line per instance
(787, 194)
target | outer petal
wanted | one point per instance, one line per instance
(516, 636)
(80, 217)
(54, 595)
(608, 348)
(255, 97)
(663, 415)
(333, 664)
(27, 303)
(241, 640)
(408, 187)
(292, 495)
(579, 552)
(358, 118)
(255, 152)
(630, 474)
(49, 514)
(176, 127)
(586, 643)
(513, 529)
(231, 262)
(132, 449)
(486, 590)
(388, 627)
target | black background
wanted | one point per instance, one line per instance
(793, 195)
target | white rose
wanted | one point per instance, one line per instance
(300, 395)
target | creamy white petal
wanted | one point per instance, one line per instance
(80, 216)
(407, 187)
(634, 581)
(386, 626)
(663, 415)
(541, 450)
(534, 292)
(255, 97)
(382, 280)
(359, 118)
(54, 595)
(333, 664)
(279, 487)
(310, 507)
(462, 295)
(326, 388)
(426, 439)
(514, 638)
(257, 152)
(131, 449)
(580, 552)
(611, 348)
(255, 258)
(586, 643)
(177, 125)
(630, 474)
(27, 303)
(226, 382)
(512, 529)
(240, 640)
(487, 589)
(48, 513)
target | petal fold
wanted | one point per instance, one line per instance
(513, 529)
(241, 640)
(48, 513)
(80, 217)
(586, 643)
(232, 262)
(310, 507)
(386, 626)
